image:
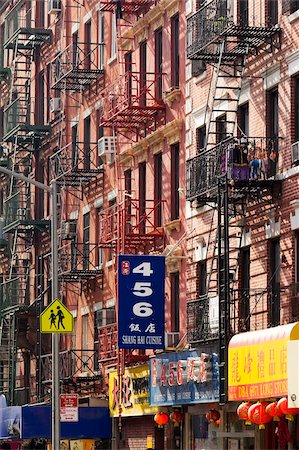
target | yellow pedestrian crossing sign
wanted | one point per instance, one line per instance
(56, 318)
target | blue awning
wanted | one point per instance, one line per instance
(94, 423)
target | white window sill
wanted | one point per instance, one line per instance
(200, 78)
(109, 263)
(294, 16)
(112, 59)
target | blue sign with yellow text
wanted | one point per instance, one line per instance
(141, 301)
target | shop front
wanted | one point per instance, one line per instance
(258, 380)
(187, 381)
(132, 416)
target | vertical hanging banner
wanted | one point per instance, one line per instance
(141, 302)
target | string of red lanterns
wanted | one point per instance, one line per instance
(263, 412)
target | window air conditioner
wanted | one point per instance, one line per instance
(106, 148)
(295, 153)
(55, 104)
(172, 340)
(68, 229)
(54, 6)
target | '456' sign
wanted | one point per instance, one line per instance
(141, 299)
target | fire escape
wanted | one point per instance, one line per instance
(215, 175)
(23, 134)
(131, 108)
(77, 170)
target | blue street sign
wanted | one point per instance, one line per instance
(141, 301)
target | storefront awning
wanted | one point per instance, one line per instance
(257, 363)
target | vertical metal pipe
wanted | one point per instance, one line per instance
(55, 336)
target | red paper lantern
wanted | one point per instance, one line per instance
(212, 415)
(274, 411)
(258, 415)
(242, 411)
(282, 407)
(176, 417)
(161, 419)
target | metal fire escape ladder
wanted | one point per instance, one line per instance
(224, 94)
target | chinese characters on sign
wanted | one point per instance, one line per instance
(133, 395)
(184, 377)
(258, 370)
(141, 301)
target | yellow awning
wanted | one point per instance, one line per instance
(257, 362)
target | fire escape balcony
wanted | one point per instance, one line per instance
(78, 66)
(19, 214)
(131, 101)
(78, 261)
(78, 372)
(124, 6)
(13, 294)
(20, 29)
(250, 167)
(213, 23)
(140, 221)
(107, 342)
(248, 310)
(75, 165)
(20, 121)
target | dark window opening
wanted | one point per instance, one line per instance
(244, 286)
(175, 53)
(142, 197)
(158, 188)
(294, 5)
(296, 109)
(220, 128)
(175, 301)
(86, 240)
(158, 62)
(88, 45)
(128, 71)
(200, 138)
(87, 143)
(243, 120)
(274, 282)
(272, 129)
(175, 181)
(243, 12)
(272, 12)
(143, 64)
(201, 278)
(128, 200)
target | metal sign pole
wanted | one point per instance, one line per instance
(55, 336)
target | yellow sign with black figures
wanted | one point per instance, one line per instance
(56, 318)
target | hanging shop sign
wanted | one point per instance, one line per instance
(133, 393)
(141, 298)
(185, 377)
(258, 363)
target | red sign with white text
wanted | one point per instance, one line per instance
(69, 407)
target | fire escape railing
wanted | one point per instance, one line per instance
(78, 260)
(125, 6)
(20, 25)
(75, 162)
(77, 66)
(107, 336)
(251, 163)
(131, 100)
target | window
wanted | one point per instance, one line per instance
(101, 32)
(243, 12)
(158, 188)
(295, 112)
(243, 120)
(41, 193)
(175, 301)
(74, 334)
(272, 12)
(87, 30)
(75, 49)
(84, 337)
(201, 278)
(244, 286)
(86, 240)
(142, 197)
(128, 71)
(87, 143)
(297, 261)
(143, 64)
(294, 5)
(40, 107)
(128, 200)
(75, 145)
(274, 282)
(220, 128)
(272, 113)
(200, 138)
(113, 49)
(158, 62)
(175, 181)
(48, 91)
(175, 52)
(1, 202)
